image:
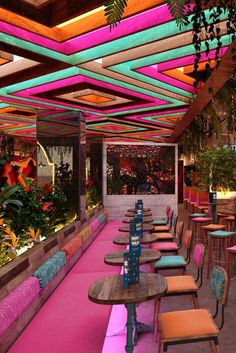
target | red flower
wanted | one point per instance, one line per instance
(47, 189)
(27, 189)
(47, 206)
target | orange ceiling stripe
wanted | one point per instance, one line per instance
(181, 75)
(22, 22)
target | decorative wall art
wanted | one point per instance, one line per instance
(140, 169)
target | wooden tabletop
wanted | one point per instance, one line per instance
(116, 258)
(145, 220)
(146, 228)
(144, 210)
(131, 214)
(110, 289)
(146, 239)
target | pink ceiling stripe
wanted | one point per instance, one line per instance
(188, 60)
(150, 71)
(128, 26)
(31, 37)
(79, 78)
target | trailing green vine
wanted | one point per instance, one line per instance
(186, 12)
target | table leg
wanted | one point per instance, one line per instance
(130, 326)
(140, 327)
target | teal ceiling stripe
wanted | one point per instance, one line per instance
(175, 53)
(134, 40)
(55, 76)
(127, 42)
(126, 70)
(125, 85)
(5, 38)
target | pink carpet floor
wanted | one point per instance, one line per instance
(69, 321)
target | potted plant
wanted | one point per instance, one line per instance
(216, 169)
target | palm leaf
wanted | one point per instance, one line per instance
(114, 10)
(177, 10)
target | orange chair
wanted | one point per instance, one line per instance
(188, 326)
(184, 285)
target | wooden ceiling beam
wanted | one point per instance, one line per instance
(216, 81)
(39, 15)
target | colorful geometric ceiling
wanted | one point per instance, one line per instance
(131, 83)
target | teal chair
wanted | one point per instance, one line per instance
(164, 220)
(173, 262)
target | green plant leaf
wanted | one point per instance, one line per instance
(114, 10)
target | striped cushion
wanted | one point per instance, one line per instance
(17, 301)
(50, 268)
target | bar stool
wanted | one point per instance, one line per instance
(197, 222)
(229, 221)
(221, 239)
(212, 227)
(220, 217)
(194, 215)
(231, 255)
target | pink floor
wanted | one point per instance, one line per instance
(69, 321)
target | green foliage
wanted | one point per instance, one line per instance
(114, 10)
(184, 14)
(28, 214)
(193, 139)
(217, 168)
(177, 10)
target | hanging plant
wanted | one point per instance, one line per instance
(194, 138)
(185, 12)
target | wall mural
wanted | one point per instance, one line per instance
(140, 169)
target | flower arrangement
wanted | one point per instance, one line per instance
(29, 214)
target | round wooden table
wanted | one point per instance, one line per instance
(116, 258)
(110, 290)
(144, 210)
(146, 239)
(145, 220)
(146, 228)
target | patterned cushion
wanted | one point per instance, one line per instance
(72, 246)
(86, 233)
(217, 282)
(101, 217)
(17, 301)
(50, 268)
(170, 261)
(95, 224)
